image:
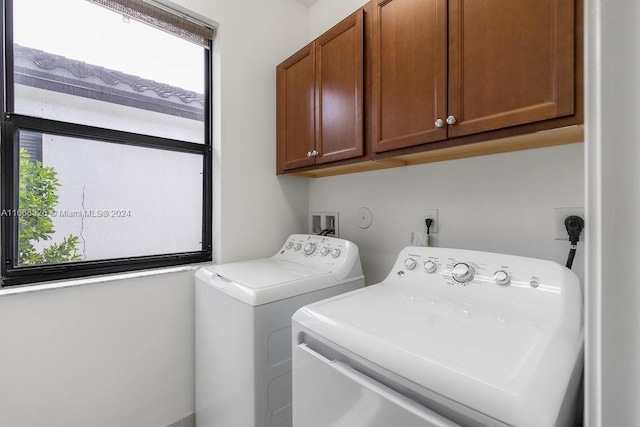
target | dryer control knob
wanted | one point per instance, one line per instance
(501, 277)
(297, 246)
(410, 263)
(309, 248)
(325, 251)
(462, 272)
(430, 266)
(289, 245)
(335, 253)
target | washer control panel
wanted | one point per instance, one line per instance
(319, 251)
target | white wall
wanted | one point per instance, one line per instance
(613, 194)
(499, 203)
(122, 353)
(326, 13)
(107, 354)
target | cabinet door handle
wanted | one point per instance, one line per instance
(439, 123)
(451, 120)
(314, 153)
(309, 154)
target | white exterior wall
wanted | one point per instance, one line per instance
(56, 106)
(145, 187)
(123, 353)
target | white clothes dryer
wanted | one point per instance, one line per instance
(450, 337)
(243, 327)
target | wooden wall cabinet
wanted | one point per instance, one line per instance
(445, 69)
(437, 79)
(509, 63)
(320, 99)
(409, 72)
(295, 86)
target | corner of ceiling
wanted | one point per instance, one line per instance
(307, 3)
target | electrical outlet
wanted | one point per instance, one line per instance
(433, 214)
(559, 215)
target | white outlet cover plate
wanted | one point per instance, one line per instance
(559, 215)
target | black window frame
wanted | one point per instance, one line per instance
(11, 123)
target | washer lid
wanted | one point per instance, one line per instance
(265, 280)
(509, 368)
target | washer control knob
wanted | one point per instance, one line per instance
(430, 266)
(501, 277)
(325, 251)
(289, 245)
(462, 272)
(297, 246)
(410, 263)
(309, 248)
(335, 252)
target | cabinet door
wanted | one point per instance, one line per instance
(295, 87)
(339, 91)
(510, 62)
(409, 72)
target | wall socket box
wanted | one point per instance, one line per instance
(559, 215)
(433, 214)
(321, 221)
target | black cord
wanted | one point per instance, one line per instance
(574, 225)
(327, 231)
(428, 222)
(572, 254)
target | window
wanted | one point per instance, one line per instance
(106, 139)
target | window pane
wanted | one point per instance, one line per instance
(79, 62)
(91, 200)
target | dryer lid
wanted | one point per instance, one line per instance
(262, 281)
(490, 361)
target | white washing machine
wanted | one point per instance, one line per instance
(243, 327)
(450, 337)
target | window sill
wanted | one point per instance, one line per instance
(92, 280)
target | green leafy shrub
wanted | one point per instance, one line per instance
(38, 199)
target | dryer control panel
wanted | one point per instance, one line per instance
(489, 281)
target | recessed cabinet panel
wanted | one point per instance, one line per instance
(510, 63)
(339, 91)
(408, 72)
(296, 110)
